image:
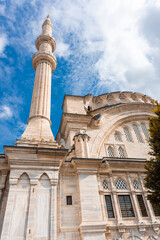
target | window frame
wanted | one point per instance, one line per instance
(133, 210)
(137, 133)
(111, 201)
(145, 208)
(128, 137)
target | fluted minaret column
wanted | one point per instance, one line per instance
(44, 63)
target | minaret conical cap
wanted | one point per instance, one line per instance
(47, 21)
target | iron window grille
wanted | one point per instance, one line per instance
(145, 131)
(137, 133)
(117, 137)
(105, 185)
(109, 206)
(126, 206)
(156, 210)
(110, 151)
(121, 152)
(128, 135)
(135, 185)
(142, 206)
(121, 185)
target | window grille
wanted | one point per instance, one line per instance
(142, 206)
(105, 184)
(126, 206)
(145, 131)
(135, 184)
(136, 130)
(110, 151)
(109, 206)
(121, 152)
(128, 135)
(120, 184)
(156, 210)
(117, 137)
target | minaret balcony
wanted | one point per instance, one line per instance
(40, 57)
(46, 39)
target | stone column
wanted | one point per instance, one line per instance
(136, 207)
(115, 200)
(31, 212)
(53, 233)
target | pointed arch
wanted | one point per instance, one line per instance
(121, 152)
(44, 180)
(137, 133)
(121, 184)
(23, 180)
(127, 134)
(110, 151)
(117, 136)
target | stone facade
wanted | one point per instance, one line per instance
(88, 184)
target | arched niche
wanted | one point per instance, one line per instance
(42, 207)
(115, 117)
(21, 208)
(23, 181)
(44, 181)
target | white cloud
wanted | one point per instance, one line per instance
(5, 112)
(109, 45)
(3, 42)
(62, 49)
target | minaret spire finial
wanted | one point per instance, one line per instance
(44, 63)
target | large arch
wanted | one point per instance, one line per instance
(114, 117)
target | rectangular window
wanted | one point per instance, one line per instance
(142, 206)
(109, 206)
(156, 210)
(69, 200)
(126, 206)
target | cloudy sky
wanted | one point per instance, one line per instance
(102, 46)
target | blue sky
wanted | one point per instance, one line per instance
(102, 46)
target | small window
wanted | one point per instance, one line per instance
(138, 135)
(128, 135)
(117, 137)
(142, 206)
(156, 210)
(109, 206)
(135, 184)
(110, 151)
(69, 200)
(105, 185)
(126, 206)
(121, 152)
(145, 131)
(121, 185)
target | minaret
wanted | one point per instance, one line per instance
(44, 63)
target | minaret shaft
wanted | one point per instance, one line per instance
(44, 62)
(41, 97)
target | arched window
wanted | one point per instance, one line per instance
(117, 137)
(135, 184)
(128, 135)
(138, 135)
(145, 131)
(121, 152)
(105, 184)
(120, 184)
(110, 151)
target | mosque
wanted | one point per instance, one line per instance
(88, 183)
